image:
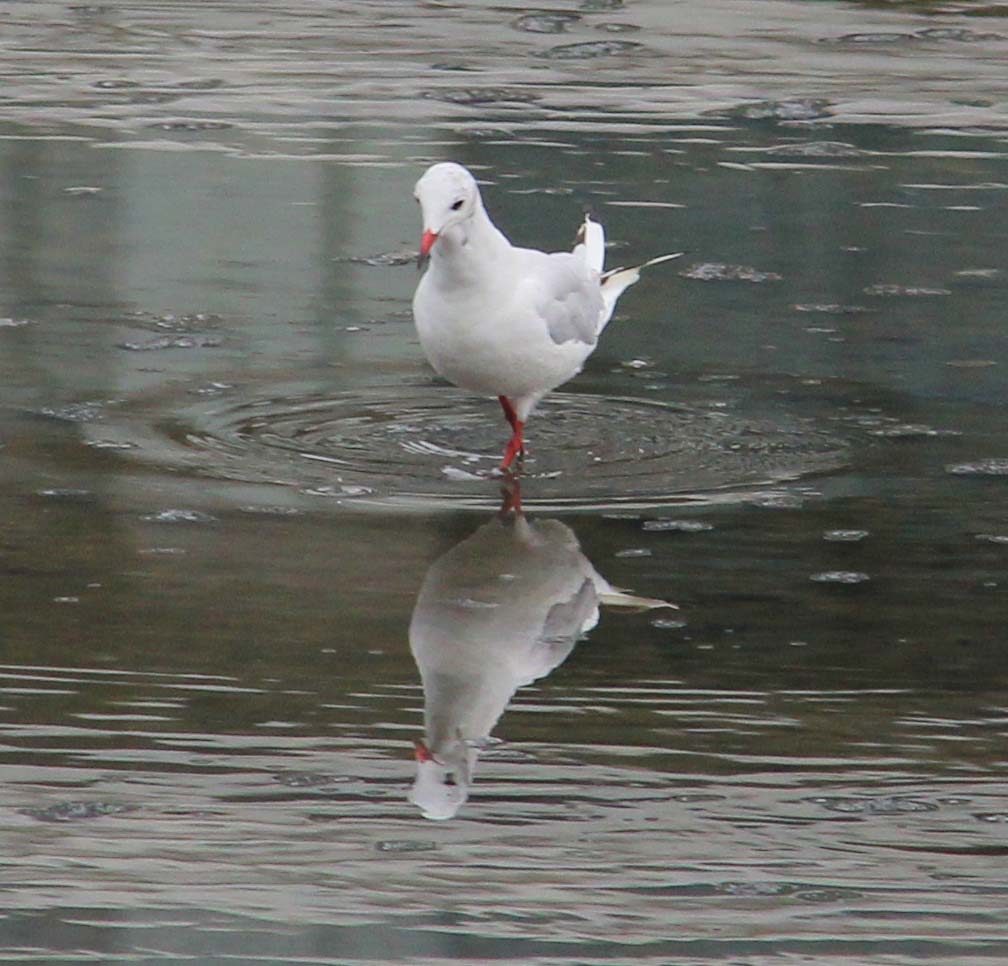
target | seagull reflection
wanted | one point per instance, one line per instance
(496, 612)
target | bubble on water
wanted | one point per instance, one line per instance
(82, 191)
(998, 538)
(992, 817)
(589, 50)
(911, 431)
(988, 467)
(75, 811)
(66, 600)
(271, 510)
(777, 501)
(305, 779)
(958, 34)
(401, 846)
(909, 291)
(796, 109)
(178, 516)
(617, 28)
(824, 894)
(191, 125)
(817, 149)
(82, 412)
(115, 85)
(339, 491)
(829, 308)
(720, 272)
(840, 577)
(677, 526)
(481, 95)
(633, 552)
(186, 322)
(755, 889)
(380, 259)
(546, 23)
(668, 624)
(884, 38)
(845, 536)
(9, 323)
(884, 805)
(173, 342)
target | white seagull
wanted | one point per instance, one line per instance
(505, 321)
(498, 611)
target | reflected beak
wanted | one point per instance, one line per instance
(426, 244)
(422, 753)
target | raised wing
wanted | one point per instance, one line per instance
(566, 297)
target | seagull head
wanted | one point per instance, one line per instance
(448, 197)
(442, 781)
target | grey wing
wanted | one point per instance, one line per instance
(570, 301)
(561, 629)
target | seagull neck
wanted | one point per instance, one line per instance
(471, 249)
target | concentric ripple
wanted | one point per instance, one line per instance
(436, 445)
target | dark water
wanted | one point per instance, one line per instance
(230, 487)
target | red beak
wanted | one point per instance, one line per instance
(422, 752)
(427, 242)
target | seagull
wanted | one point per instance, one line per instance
(496, 612)
(505, 321)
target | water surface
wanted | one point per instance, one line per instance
(227, 476)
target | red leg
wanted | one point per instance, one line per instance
(509, 414)
(515, 446)
(511, 496)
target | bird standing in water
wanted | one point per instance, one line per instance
(501, 320)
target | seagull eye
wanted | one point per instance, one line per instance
(458, 204)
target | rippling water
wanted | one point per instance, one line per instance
(253, 550)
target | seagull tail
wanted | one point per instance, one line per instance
(621, 599)
(616, 281)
